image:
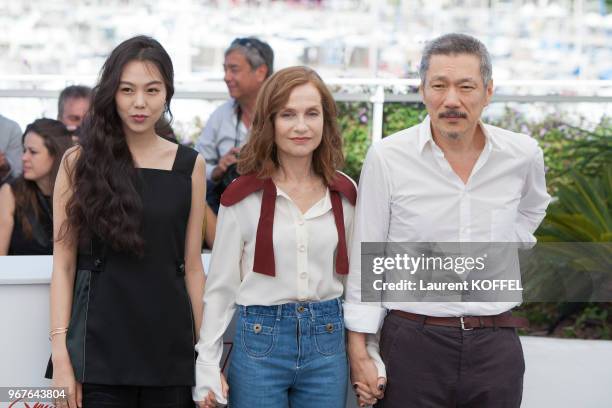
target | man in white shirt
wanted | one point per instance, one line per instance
(449, 179)
(248, 63)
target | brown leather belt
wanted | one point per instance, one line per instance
(467, 322)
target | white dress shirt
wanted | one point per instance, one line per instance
(408, 192)
(304, 254)
(221, 133)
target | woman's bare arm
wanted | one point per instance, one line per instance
(194, 270)
(211, 226)
(7, 212)
(64, 257)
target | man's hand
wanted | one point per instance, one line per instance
(225, 161)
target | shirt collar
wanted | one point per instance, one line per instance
(425, 135)
(319, 208)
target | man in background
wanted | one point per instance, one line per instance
(10, 149)
(72, 106)
(248, 62)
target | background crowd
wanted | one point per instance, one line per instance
(26, 195)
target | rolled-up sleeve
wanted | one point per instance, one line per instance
(371, 224)
(373, 348)
(222, 286)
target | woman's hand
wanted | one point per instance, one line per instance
(364, 396)
(63, 377)
(364, 377)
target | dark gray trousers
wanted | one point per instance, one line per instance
(442, 367)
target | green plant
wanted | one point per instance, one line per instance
(353, 120)
(592, 318)
(400, 116)
(355, 126)
(583, 148)
(582, 212)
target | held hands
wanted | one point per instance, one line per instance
(225, 161)
(210, 401)
(63, 376)
(364, 377)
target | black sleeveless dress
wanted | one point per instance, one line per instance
(132, 321)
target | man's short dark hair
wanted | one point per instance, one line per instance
(73, 91)
(256, 52)
(452, 44)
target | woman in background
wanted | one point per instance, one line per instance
(26, 216)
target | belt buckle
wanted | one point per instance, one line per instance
(463, 325)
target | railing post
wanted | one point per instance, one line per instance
(378, 99)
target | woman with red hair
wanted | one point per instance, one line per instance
(280, 257)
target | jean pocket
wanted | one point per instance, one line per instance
(258, 335)
(329, 335)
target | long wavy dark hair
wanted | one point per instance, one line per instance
(105, 202)
(57, 140)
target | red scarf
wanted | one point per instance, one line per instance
(245, 185)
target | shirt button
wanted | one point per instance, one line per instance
(301, 222)
(302, 248)
(303, 275)
(301, 309)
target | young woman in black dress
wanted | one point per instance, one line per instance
(26, 219)
(127, 284)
